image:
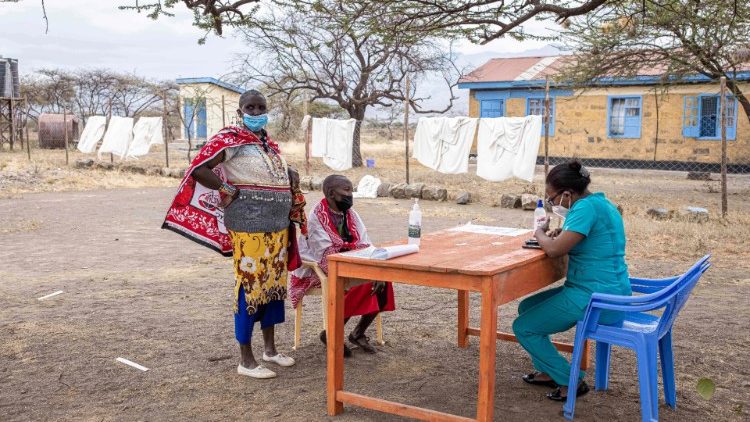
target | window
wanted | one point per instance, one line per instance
(491, 108)
(702, 116)
(535, 106)
(624, 117)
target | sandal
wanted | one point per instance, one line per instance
(531, 379)
(556, 395)
(363, 342)
(347, 350)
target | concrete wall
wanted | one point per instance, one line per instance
(213, 96)
(581, 127)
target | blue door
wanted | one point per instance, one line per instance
(195, 119)
(201, 120)
(491, 108)
(188, 123)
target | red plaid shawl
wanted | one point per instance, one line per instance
(194, 212)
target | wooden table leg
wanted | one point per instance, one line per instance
(487, 351)
(335, 334)
(586, 357)
(463, 318)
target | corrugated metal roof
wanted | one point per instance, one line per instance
(514, 69)
(209, 80)
(529, 71)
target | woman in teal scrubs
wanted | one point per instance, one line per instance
(593, 237)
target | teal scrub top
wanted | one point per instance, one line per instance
(597, 263)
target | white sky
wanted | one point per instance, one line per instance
(95, 34)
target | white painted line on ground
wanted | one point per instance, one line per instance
(50, 295)
(133, 364)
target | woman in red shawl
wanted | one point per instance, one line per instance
(239, 197)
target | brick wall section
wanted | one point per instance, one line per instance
(581, 127)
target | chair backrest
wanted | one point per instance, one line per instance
(680, 296)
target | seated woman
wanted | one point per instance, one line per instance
(593, 237)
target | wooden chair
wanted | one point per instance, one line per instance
(323, 293)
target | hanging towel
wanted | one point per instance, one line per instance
(146, 132)
(339, 141)
(367, 187)
(318, 137)
(92, 134)
(444, 143)
(508, 147)
(427, 141)
(118, 137)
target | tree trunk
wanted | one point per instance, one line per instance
(359, 115)
(741, 98)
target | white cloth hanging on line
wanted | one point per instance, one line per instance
(118, 137)
(339, 142)
(508, 147)
(92, 134)
(444, 143)
(146, 132)
(318, 137)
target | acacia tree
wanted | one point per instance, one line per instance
(678, 37)
(329, 50)
(480, 20)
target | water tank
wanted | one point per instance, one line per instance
(9, 79)
(16, 80)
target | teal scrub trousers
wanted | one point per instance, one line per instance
(552, 311)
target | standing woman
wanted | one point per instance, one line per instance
(240, 198)
(593, 237)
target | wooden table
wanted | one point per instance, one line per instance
(495, 266)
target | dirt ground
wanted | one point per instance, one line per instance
(132, 290)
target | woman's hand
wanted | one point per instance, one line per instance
(293, 177)
(554, 233)
(545, 225)
(226, 200)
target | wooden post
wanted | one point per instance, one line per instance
(28, 141)
(164, 125)
(109, 117)
(12, 122)
(407, 103)
(65, 130)
(546, 127)
(20, 129)
(723, 114)
(223, 113)
(306, 133)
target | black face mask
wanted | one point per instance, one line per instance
(345, 203)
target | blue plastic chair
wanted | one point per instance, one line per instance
(640, 331)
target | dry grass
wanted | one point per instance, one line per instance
(634, 190)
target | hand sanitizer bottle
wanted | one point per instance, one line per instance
(415, 224)
(539, 215)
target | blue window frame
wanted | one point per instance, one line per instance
(535, 106)
(702, 116)
(492, 108)
(624, 116)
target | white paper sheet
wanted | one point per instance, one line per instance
(495, 230)
(385, 253)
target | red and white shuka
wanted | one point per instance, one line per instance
(323, 240)
(194, 212)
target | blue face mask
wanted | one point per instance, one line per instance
(255, 123)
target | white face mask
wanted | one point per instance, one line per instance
(561, 211)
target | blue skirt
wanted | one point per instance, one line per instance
(269, 314)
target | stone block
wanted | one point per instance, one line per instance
(434, 193)
(384, 189)
(694, 214)
(316, 183)
(305, 183)
(398, 191)
(414, 190)
(84, 164)
(529, 201)
(659, 213)
(104, 166)
(463, 198)
(510, 201)
(133, 168)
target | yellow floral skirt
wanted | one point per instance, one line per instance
(260, 267)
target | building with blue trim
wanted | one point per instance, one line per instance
(628, 120)
(206, 106)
